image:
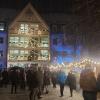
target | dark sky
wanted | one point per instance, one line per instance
(63, 6)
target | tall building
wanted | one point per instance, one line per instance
(66, 42)
(28, 39)
(3, 45)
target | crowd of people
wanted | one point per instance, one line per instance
(37, 80)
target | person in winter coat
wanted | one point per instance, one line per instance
(33, 83)
(46, 81)
(22, 79)
(14, 78)
(88, 83)
(28, 75)
(40, 78)
(5, 78)
(98, 83)
(71, 79)
(61, 78)
(0, 78)
(54, 79)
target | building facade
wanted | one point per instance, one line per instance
(28, 39)
(3, 45)
(67, 43)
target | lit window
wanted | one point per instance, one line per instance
(13, 41)
(35, 26)
(16, 39)
(2, 26)
(26, 52)
(12, 52)
(21, 52)
(44, 42)
(44, 54)
(24, 28)
(16, 51)
(22, 39)
(39, 32)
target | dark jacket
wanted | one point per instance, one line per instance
(46, 78)
(14, 77)
(32, 80)
(71, 80)
(98, 83)
(88, 80)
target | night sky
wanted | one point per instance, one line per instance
(62, 6)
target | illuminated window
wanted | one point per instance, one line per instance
(12, 52)
(1, 39)
(22, 39)
(11, 39)
(24, 28)
(39, 32)
(44, 54)
(44, 42)
(24, 52)
(2, 26)
(34, 26)
(16, 51)
(18, 41)
(14, 39)
(21, 52)
(18, 55)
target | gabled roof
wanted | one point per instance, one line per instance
(29, 6)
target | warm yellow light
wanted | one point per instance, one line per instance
(39, 32)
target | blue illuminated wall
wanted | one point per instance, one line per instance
(3, 49)
(63, 50)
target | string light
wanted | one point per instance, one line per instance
(73, 65)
